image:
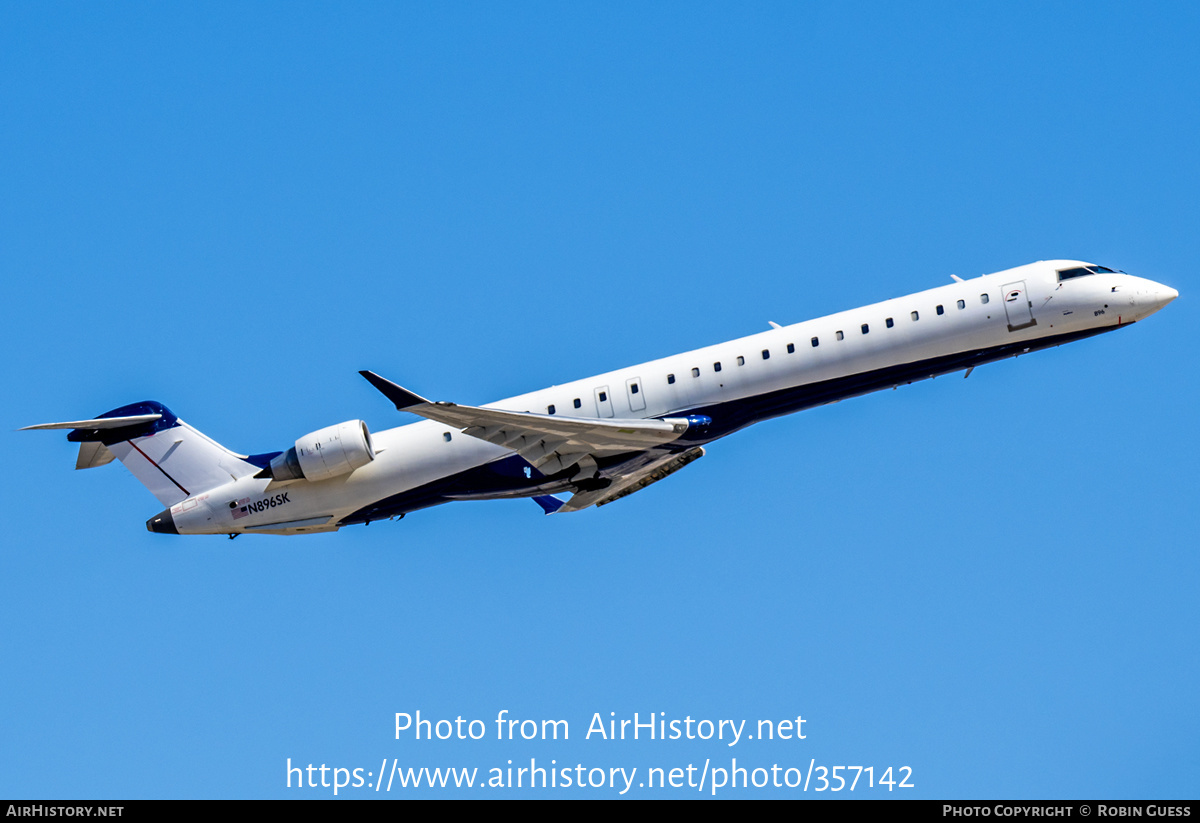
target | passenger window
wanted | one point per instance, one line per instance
(889, 322)
(766, 354)
(695, 372)
(578, 403)
(816, 342)
(840, 336)
(741, 360)
(670, 378)
(941, 310)
(717, 366)
(791, 348)
(633, 389)
(916, 316)
(446, 436)
(603, 397)
(962, 304)
(866, 328)
(550, 409)
(983, 298)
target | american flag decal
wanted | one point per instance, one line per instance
(239, 507)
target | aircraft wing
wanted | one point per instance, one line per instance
(549, 442)
(625, 485)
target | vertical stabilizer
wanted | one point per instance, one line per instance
(171, 459)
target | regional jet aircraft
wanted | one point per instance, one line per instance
(604, 437)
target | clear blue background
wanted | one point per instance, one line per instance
(232, 209)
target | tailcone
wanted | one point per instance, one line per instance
(162, 523)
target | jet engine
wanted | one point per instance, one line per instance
(329, 452)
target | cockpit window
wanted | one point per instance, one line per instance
(1083, 271)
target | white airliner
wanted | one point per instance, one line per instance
(608, 436)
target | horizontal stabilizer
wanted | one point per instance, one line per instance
(92, 453)
(169, 457)
(99, 423)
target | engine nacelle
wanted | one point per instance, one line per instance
(329, 452)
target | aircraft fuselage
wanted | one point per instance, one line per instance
(706, 394)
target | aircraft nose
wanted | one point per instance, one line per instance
(1161, 295)
(1153, 297)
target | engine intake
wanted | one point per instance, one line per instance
(329, 452)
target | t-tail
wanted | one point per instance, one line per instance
(172, 459)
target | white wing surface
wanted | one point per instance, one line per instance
(549, 442)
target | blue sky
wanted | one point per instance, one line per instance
(232, 209)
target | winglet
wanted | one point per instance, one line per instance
(549, 503)
(399, 395)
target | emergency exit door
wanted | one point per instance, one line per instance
(604, 406)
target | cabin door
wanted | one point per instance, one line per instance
(1018, 306)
